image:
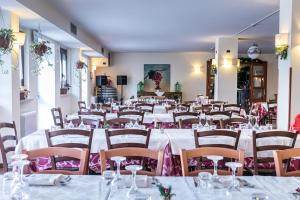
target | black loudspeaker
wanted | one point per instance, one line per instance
(101, 80)
(121, 80)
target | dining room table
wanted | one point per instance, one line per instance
(171, 141)
(91, 187)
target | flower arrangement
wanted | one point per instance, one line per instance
(282, 51)
(6, 42)
(41, 51)
(165, 192)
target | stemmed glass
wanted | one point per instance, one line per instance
(133, 191)
(118, 181)
(233, 166)
(19, 187)
(215, 159)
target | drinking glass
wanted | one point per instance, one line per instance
(256, 125)
(6, 184)
(269, 126)
(19, 187)
(204, 178)
(105, 184)
(215, 159)
(133, 191)
(81, 125)
(118, 181)
(235, 186)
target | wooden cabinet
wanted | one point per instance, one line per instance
(210, 80)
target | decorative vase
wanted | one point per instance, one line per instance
(140, 86)
(177, 87)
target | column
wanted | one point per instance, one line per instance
(289, 69)
(226, 52)
(10, 78)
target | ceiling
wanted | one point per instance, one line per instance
(172, 25)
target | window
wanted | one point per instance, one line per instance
(63, 67)
(22, 76)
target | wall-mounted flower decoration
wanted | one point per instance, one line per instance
(282, 52)
(6, 42)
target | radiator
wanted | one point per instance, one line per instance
(28, 123)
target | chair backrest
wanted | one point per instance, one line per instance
(123, 132)
(145, 107)
(57, 117)
(190, 102)
(235, 122)
(234, 108)
(95, 113)
(136, 115)
(185, 155)
(51, 135)
(187, 123)
(173, 107)
(183, 115)
(126, 108)
(292, 136)
(219, 114)
(119, 122)
(77, 154)
(186, 106)
(81, 105)
(5, 138)
(282, 155)
(222, 133)
(206, 108)
(137, 153)
(218, 102)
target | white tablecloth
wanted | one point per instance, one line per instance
(87, 188)
(178, 138)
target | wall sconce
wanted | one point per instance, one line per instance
(197, 69)
(20, 38)
(281, 45)
(231, 62)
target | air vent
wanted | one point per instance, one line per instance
(73, 29)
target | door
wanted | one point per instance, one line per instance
(258, 81)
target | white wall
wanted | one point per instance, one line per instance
(183, 69)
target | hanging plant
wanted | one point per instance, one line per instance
(6, 42)
(282, 52)
(41, 51)
(80, 65)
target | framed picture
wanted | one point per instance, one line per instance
(157, 77)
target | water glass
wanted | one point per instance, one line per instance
(269, 126)
(133, 191)
(204, 179)
(6, 184)
(215, 159)
(235, 186)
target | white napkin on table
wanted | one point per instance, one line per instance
(44, 180)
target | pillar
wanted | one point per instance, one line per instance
(289, 69)
(226, 51)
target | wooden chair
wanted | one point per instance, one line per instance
(88, 121)
(122, 132)
(222, 133)
(185, 155)
(218, 102)
(181, 115)
(51, 135)
(76, 154)
(235, 122)
(187, 123)
(57, 117)
(119, 122)
(233, 108)
(141, 153)
(206, 108)
(81, 105)
(5, 148)
(173, 107)
(126, 108)
(186, 106)
(107, 107)
(280, 158)
(190, 102)
(292, 136)
(216, 116)
(145, 107)
(272, 112)
(135, 114)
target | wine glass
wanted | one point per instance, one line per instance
(118, 181)
(215, 159)
(133, 191)
(19, 187)
(204, 178)
(235, 186)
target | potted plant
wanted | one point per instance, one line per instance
(80, 65)
(41, 51)
(65, 88)
(6, 42)
(165, 192)
(24, 93)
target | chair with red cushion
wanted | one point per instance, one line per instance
(296, 124)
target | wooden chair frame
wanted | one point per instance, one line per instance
(80, 154)
(134, 152)
(134, 113)
(224, 123)
(237, 155)
(180, 114)
(149, 107)
(188, 121)
(4, 150)
(280, 156)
